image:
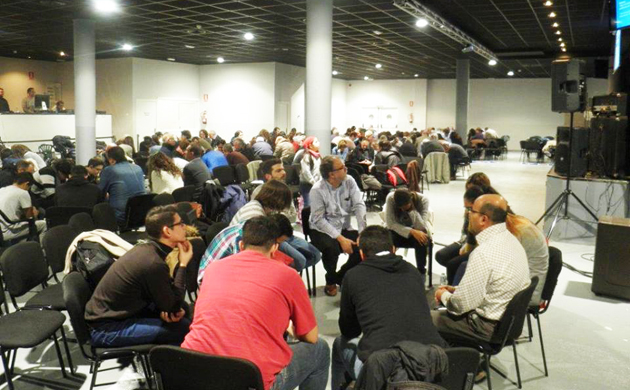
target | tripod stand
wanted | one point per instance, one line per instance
(563, 198)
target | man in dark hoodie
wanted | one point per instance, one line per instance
(78, 191)
(382, 302)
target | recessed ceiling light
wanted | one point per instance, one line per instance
(378, 66)
(62, 54)
(416, 75)
(335, 73)
(552, 15)
(548, 3)
(366, 78)
(492, 62)
(562, 44)
(555, 24)
(564, 50)
(422, 23)
(220, 60)
(248, 36)
(558, 32)
(170, 59)
(127, 47)
(106, 6)
(559, 39)
(29, 57)
(189, 46)
(510, 73)
(376, 32)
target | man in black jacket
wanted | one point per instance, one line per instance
(78, 191)
(382, 302)
(196, 172)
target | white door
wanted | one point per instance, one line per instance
(370, 118)
(388, 120)
(189, 116)
(283, 117)
(145, 118)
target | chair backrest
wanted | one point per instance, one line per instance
(60, 215)
(293, 175)
(82, 222)
(252, 168)
(225, 175)
(104, 217)
(163, 199)
(199, 248)
(462, 368)
(213, 230)
(175, 366)
(511, 324)
(555, 266)
(306, 225)
(137, 209)
(55, 243)
(76, 294)
(23, 268)
(242, 173)
(356, 175)
(184, 194)
(381, 167)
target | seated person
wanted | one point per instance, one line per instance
(8, 172)
(387, 155)
(137, 302)
(94, 168)
(382, 302)
(46, 180)
(246, 305)
(456, 154)
(363, 155)
(407, 218)
(233, 157)
(430, 146)
(213, 159)
(18, 214)
(78, 191)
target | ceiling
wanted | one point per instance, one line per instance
(365, 32)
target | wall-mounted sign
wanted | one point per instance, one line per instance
(31, 75)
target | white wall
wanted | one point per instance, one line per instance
(288, 80)
(298, 109)
(440, 103)
(240, 97)
(15, 81)
(338, 110)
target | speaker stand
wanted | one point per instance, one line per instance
(563, 198)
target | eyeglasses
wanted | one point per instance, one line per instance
(345, 168)
(176, 224)
(470, 210)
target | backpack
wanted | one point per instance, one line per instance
(92, 261)
(396, 177)
(210, 201)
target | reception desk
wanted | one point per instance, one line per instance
(34, 130)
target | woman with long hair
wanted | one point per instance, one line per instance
(164, 176)
(310, 168)
(414, 176)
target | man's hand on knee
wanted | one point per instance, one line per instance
(172, 317)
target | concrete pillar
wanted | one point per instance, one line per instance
(84, 90)
(462, 95)
(319, 71)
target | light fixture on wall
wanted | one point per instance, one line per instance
(422, 23)
(220, 60)
(378, 66)
(127, 47)
(106, 6)
(248, 36)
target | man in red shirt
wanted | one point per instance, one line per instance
(246, 305)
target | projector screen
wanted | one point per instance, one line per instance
(621, 14)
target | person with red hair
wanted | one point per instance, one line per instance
(310, 168)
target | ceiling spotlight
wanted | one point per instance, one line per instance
(559, 39)
(335, 73)
(29, 57)
(376, 32)
(62, 54)
(548, 3)
(170, 59)
(378, 66)
(248, 36)
(127, 47)
(366, 78)
(510, 73)
(562, 44)
(492, 62)
(555, 25)
(416, 75)
(220, 60)
(564, 50)
(106, 6)
(558, 32)
(189, 46)
(552, 15)
(422, 23)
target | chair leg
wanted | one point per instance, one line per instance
(147, 372)
(529, 327)
(488, 371)
(94, 369)
(65, 345)
(430, 261)
(7, 371)
(518, 371)
(314, 283)
(542, 345)
(308, 283)
(59, 356)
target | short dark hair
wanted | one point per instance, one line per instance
(64, 166)
(227, 148)
(267, 165)
(284, 225)
(157, 218)
(238, 140)
(23, 177)
(23, 164)
(117, 154)
(374, 239)
(260, 231)
(30, 89)
(496, 214)
(384, 145)
(326, 167)
(402, 197)
(78, 170)
(186, 133)
(196, 150)
(473, 193)
(275, 195)
(95, 162)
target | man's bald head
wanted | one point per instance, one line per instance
(492, 206)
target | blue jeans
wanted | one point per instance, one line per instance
(344, 360)
(304, 254)
(305, 191)
(136, 331)
(308, 369)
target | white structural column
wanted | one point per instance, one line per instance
(85, 89)
(461, 100)
(319, 71)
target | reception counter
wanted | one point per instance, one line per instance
(34, 130)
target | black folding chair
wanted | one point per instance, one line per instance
(104, 217)
(225, 175)
(81, 222)
(462, 368)
(306, 229)
(163, 199)
(55, 243)
(185, 194)
(60, 215)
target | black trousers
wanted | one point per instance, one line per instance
(411, 242)
(331, 250)
(450, 258)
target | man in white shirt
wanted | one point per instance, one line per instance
(16, 208)
(497, 270)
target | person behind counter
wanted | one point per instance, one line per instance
(28, 103)
(59, 107)
(4, 105)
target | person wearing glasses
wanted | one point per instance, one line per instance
(497, 270)
(335, 198)
(140, 299)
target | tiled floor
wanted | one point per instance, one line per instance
(587, 338)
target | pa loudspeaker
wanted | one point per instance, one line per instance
(568, 86)
(577, 155)
(611, 271)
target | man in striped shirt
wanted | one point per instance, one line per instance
(497, 270)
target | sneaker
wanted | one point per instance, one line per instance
(330, 290)
(480, 377)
